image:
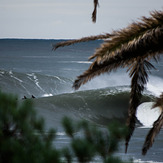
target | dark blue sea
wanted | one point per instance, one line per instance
(30, 67)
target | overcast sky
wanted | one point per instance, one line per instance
(54, 19)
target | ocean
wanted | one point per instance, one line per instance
(30, 67)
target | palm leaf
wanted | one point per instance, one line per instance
(94, 13)
(130, 47)
(152, 134)
(159, 102)
(156, 127)
(146, 46)
(138, 73)
(117, 39)
(124, 36)
(84, 39)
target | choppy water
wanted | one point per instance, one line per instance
(30, 67)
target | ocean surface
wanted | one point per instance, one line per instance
(30, 67)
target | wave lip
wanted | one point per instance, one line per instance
(100, 106)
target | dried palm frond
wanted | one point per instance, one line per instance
(130, 47)
(118, 38)
(94, 13)
(156, 127)
(159, 102)
(152, 134)
(133, 31)
(147, 46)
(138, 73)
(84, 39)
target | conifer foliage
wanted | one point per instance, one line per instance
(22, 134)
(23, 137)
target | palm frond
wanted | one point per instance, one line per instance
(156, 126)
(84, 39)
(94, 13)
(130, 47)
(159, 102)
(138, 73)
(124, 36)
(146, 46)
(97, 69)
(152, 134)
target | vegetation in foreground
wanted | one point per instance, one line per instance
(23, 137)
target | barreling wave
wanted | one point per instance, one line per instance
(100, 106)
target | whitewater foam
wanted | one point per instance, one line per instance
(147, 115)
(155, 85)
(35, 80)
(61, 80)
(140, 161)
(2, 72)
(47, 95)
(16, 78)
(105, 80)
(81, 62)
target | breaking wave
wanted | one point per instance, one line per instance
(99, 105)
